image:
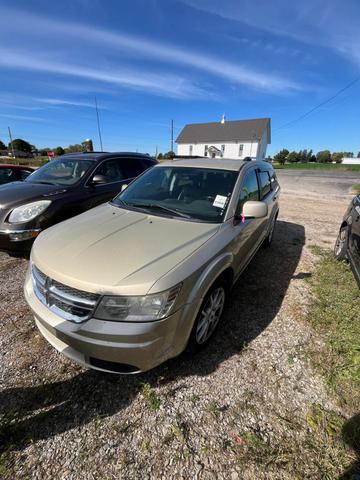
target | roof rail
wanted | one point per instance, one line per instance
(80, 153)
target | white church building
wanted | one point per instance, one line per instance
(229, 139)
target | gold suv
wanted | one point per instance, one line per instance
(133, 282)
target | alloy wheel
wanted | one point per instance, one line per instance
(210, 315)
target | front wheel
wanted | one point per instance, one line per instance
(340, 248)
(208, 317)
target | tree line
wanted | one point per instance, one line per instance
(18, 144)
(306, 156)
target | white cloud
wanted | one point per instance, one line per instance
(22, 117)
(332, 25)
(235, 73)
(59, 102)
(165, 85)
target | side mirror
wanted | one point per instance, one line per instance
(255, 209)
(123, 187)
(98, 180)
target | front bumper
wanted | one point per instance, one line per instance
(117, 347)
(17, 242)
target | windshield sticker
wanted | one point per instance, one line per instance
(220, 201)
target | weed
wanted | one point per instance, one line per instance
(151, 399)
(194, 398)
(214, 409)
(145, 445)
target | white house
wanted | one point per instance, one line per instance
(229, 139)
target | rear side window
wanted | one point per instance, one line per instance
(274, 181)
(249, 190)
(265, 184)
(132, 167)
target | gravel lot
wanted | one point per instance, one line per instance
(238, 410)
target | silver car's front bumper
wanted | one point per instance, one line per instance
(121, 347)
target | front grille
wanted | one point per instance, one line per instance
(67, 302)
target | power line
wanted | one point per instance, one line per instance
(319, 105)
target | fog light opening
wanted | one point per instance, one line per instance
(25, 235)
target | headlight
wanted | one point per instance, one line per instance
(137, 309)
(28, 212)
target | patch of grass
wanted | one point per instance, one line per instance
(194, 398)
(150, 397)
(324, 421)
(356, 188)
(145, 445)
(317, 166)
(334, 314)
(214, 409)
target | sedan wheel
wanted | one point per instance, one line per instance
(210, 315)
(341, 244)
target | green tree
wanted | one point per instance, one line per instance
(169, 154)
(2, 145)
(324, 156)
(160, 156)
(337, 157)
(58, 151)
(75, 148)
(281, 157)
(293, 157)
(21, 145)
(348, 154)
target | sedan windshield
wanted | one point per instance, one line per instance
(186, 192)
(61, 172)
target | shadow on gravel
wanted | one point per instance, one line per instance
(35, 413)
(351, 436)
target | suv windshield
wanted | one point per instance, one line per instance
(61, 172)
(194, 193)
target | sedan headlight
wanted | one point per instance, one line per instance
(28, 212)
(137, 309)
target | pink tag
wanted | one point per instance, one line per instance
(242, 218)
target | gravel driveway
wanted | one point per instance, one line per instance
(238, 410)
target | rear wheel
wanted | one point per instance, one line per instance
(340, 248)
(208, 317)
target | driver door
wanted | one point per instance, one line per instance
(247, 234)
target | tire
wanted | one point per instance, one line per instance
(209, 317)
(268, 240)
(341, 244)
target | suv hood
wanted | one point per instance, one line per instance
(19, 193)
(117, 251)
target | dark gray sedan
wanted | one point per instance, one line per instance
(347, 245)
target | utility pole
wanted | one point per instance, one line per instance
(98, 124)
(172, 136)
(11, 143)
(156, 151)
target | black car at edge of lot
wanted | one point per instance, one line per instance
(347, 245)
(64, 187)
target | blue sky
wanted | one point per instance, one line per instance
(150, 61)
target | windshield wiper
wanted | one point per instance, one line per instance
(160, 207)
